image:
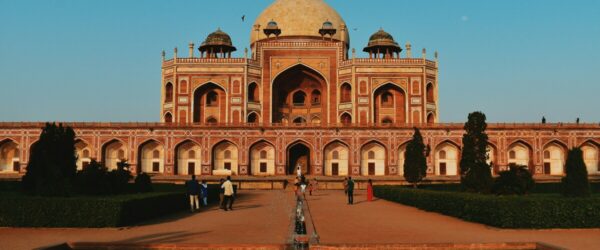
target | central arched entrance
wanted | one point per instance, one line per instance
(299, 94)
(298, 154)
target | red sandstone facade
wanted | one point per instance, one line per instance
(301, 97)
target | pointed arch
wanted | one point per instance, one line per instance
(287, 83)
(83, 153)
(262, 158)
(110, 152)
(447, 158)
(188, 158)
(553, 157)
(253, 92)
(430, 96)
(168, 118)
(10, 156)
(169, 92)
(373, 158)
(389, 104)
(150, 156)
(209, 99)
(299, 153)
(402, 156)
(346, 118)
(520, 152)
(253, 117)
(345, 93)
(336, 158)
(223, 165)
(591, 156)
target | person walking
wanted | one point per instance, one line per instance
(370, 190)
(204, 192)
(350, 191)
(193, 190)
(345, 183)
(228, 194)
(312, 186)
(221, 193)
(303, 184)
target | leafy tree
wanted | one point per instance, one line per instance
(415, 164)
(52, 163)
(575, 183)
(475, 172)
(516, 180)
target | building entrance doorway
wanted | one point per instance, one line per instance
(298, 154)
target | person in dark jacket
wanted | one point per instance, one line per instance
(350, 191)
(204, 193)
(193, 190)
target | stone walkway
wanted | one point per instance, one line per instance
(263, 217)
(259, 217)
(382, 221)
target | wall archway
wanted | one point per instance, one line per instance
(373, 159)
(389, 104)
(287, 87)
(590, 157)
(210, 100)
(447, 157)
(188, 158)
(520, 153)
(299, 153)
(262, 159)
(9, 156)
(83, 152)
(553, 158)
(225, 158)
(336, 158)
(114, 151)
(151, 157)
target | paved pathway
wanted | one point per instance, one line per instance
(259, 217)
(382, 221)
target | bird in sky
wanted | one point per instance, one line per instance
(243, 18)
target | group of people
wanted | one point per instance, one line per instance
(349, 189)
(197, 191)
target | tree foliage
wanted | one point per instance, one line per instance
(517, 180)
(575, 183)
(52, 163)
(415, 164)
(475, 172)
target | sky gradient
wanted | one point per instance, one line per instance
(515, 60)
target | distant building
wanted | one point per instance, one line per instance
(301, 96)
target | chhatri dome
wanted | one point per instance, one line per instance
(299, 18)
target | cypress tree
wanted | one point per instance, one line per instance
(575, 183)
(475, 172)
(52, 162)
(415, 164)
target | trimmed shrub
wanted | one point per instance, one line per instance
(143, 183)
(575, 183)
(120, 177)
(516, 180)
(475, 172)
(532, 211)
(415, 163)
(30, 211)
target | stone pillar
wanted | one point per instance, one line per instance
(408, 50)
(191, 47)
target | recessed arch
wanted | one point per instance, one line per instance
(373, 158)
(10, 154)
(299, 153)
(253, 117)
(150, 157)
(83, 153)
(169, 92)
(346, 118)
(389, 104)
(188, 158)
(262, 158)
(286, 99)
(253, 92)
(446, 158)
(591, 156)
(223, 165)
(168, 118)
(209, 99)
(430, 93)
(520, 152)
(336, 157)
(113, 151)
(345, 93)
(402, 157)
(430, 118)
(553, 157)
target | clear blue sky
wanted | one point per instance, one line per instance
(516, 60)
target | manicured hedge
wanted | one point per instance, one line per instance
(18, 210)
(530, 211)
(538, 188)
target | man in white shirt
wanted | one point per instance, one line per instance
(299, 170)
(228, 194)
